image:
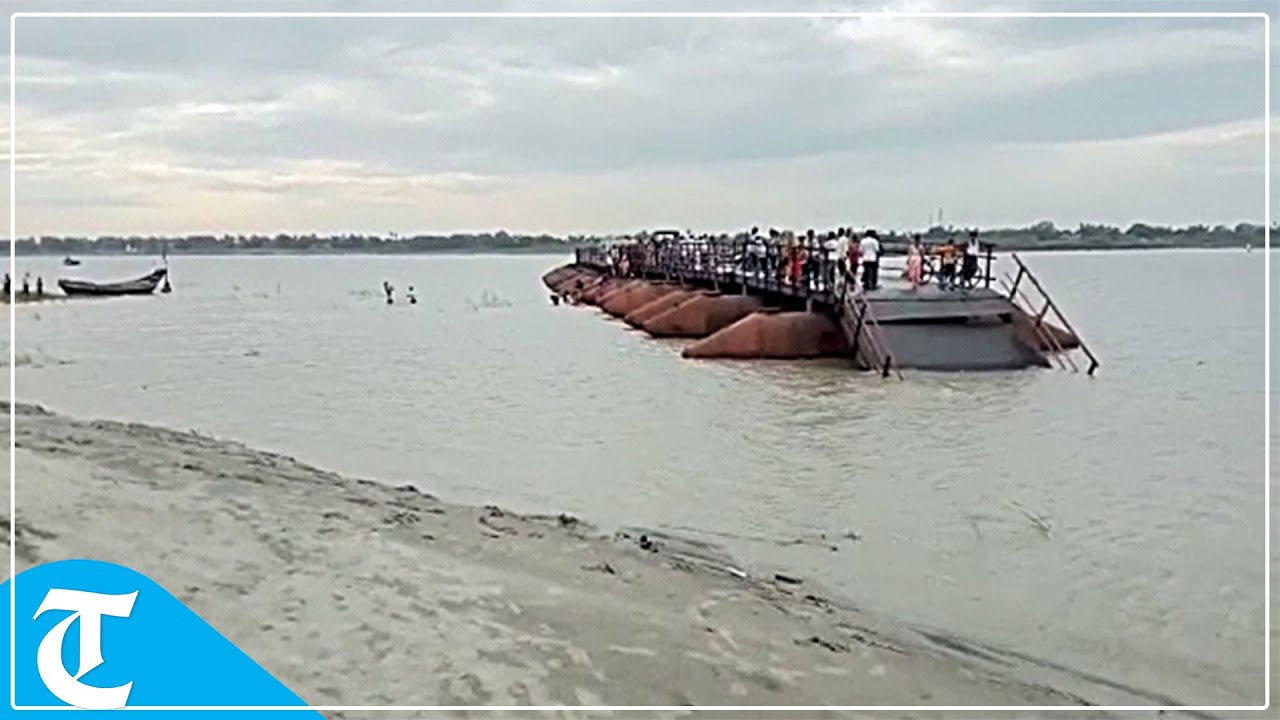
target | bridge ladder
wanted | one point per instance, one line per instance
(1022, 302)
(1048, 342)
(863, 331)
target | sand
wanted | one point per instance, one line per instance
(355, 592)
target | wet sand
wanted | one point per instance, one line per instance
(355, 592)
(32, 298)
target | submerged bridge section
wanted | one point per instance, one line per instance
(739, 301)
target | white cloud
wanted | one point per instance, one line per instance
(1160, 178)
(595, 124)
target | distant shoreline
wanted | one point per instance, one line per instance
(282, 252)
(1042, 236)
(306, 253)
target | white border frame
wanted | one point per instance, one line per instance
(13, 136)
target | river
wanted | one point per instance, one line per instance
(1111, 524)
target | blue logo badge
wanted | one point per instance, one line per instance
(98, 636)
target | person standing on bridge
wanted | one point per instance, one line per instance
(758, 253)
(969, 263)
(812, 260)
(915, 262)
(870, 247)
(853, 259)
(832, 253)
(947, 265)
(800, 263)
(786, 256)
(771, 263)
(842, 263)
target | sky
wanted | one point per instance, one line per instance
(599, 125)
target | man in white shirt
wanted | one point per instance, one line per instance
(757, 252)
(833, 251)
(870, 247)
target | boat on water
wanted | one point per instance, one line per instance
(144, 285)
(70, 261)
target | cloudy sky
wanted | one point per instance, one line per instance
(596, 125)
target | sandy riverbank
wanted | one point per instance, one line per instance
(353, 592)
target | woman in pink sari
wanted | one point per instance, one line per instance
(915, 263)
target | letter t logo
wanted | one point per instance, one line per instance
(88, 608)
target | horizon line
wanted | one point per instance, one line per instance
(401, 235)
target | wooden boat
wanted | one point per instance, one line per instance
(144, 285)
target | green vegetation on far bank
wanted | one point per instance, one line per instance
(1041, 236)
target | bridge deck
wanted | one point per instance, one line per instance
(930, 303)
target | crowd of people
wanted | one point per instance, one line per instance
(836, 260)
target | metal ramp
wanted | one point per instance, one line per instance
(1048, 339)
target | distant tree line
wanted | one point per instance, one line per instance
(1041, 236)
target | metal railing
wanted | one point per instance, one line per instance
(808, 269)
